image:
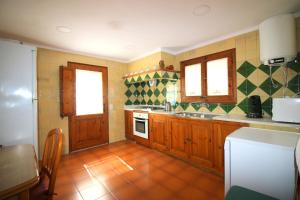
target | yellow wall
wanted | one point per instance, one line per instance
(48, 63)
(148, 62)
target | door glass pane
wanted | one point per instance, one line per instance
(193, 80)
(89, 94)
(217, 77)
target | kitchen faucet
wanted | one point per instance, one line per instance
(204, 105)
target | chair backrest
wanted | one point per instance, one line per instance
(51, 157)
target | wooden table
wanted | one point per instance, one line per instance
(18, 171)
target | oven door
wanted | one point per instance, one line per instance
(140, 127)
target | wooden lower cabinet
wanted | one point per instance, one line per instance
(200, 142)
(201, 146)
(158, 132)
(129, 124)
(221, 130)
(178, 130)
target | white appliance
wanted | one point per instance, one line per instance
(261, 160)
(18, 101)
(278, 39)
(286, 110)
(140, 124)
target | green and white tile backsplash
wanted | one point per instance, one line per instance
(251, 80)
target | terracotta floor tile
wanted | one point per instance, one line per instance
(125, 170)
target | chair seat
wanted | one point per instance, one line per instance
(240, 193)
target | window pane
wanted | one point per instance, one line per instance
(217, 77)
(193, 80)
(89, 94)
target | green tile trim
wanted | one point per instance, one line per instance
(164, 81)
(184, 105)
(143, 102)
(139, 79)
(156, 102)
(196, 106)
(156, 75)
(175, 106)
(166, 75)
(246, 69)
(150, 102)
(147, 77)
(212, 107)
(128, 102)
(136, 102)
(227, 107)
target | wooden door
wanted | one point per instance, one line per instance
(88, 125)
(158, 132)
(221, 130)
(200, 139)
(128, 124)
(178, 134)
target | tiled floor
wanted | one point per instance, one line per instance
(125, 170)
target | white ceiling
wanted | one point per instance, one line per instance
(127, 29)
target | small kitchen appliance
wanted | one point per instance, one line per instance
(286, 110)
(254, 107)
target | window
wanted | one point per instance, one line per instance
(210, 78)
(89, 97)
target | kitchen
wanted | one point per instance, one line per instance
(192, 134)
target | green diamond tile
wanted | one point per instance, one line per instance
(268, 88)
(295, 65)
(294, 84)
(136, 93)
(149, 93)
(184, 105)
(156, 75)
(143, 93)
(246, 69)
(128, 102)
(156, 102)
(267, 106)
(227, 107)
(212, 107)
(136, 102)
(196, 106)
(136, 85)
(166, 75)
(164, 92)
(147, 77)
(128, 93)
(156, 92)
(164, 81)
(247, 87)
(175, 76)
(143, 102)
(243, 105)
(175, 105)
(143, 84)
(266, 68)
(139, 79)
(132, 80)
(150, 102)
(126, 82)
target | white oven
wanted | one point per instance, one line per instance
(140, 124)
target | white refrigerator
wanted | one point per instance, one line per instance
(261, 160)
(18, 100)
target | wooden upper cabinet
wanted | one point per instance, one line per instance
(200, 139)
(178, 135)
(128, 124)
(67, 91)
(221, 130)
(158, 132)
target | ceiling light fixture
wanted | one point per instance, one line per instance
(63, 29)
(201, 10)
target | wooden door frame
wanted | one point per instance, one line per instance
(83, 66)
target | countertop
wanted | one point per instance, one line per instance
(227, 117)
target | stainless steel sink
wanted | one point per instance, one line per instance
(195, 115)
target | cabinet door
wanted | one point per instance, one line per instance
(200, 139)
(221, 131)
(158, 132)
(128, 124)
(178, 132)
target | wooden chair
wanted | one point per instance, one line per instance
(50, 161)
